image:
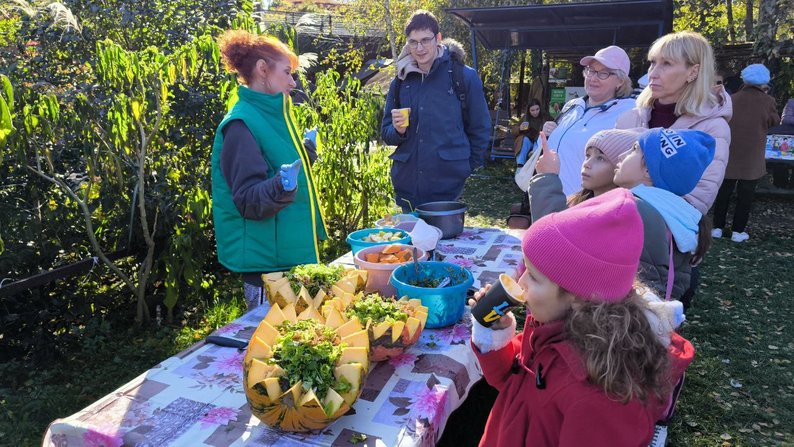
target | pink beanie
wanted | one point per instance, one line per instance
(592, 249)
(614, 142)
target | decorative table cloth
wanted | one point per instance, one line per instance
(196, 397)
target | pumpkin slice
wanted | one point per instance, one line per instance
(266, 332)
(289, 312)
(334, 319)
(397, 331)
(258, 349)
(336, 290)
(257, 372)
(332, 403)
(272, 276)
(304, 299)
(274, 316)
(412, 324)
(319, 298)
(353, 354)
(294, 393)
(422, 317)
(361, 278)
(310, 313)
(311, 408)
(347, 285)
(286, 294)
(360, 338)
(352, 372)
(379, 329)
(273, 388)
(350, 327)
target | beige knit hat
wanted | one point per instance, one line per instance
(614, 142)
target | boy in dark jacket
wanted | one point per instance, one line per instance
(437, 146)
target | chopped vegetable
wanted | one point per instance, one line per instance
(377, 309)
(383, 236)
(305, 350)
(314, 277)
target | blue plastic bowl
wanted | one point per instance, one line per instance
(357, 242)
(445, 305)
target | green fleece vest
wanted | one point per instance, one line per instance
(290, 237)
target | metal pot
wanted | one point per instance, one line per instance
(447, 216)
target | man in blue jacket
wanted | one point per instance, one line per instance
(444, 136)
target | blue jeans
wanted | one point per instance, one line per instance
(526, 147)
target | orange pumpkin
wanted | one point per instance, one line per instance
(388, 337)
(285, 403)
(281, 288)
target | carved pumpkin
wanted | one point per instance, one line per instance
(308, 391)
(310, 285)
(392, 326)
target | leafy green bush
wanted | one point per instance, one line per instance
(353, 170)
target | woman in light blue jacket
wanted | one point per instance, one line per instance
(608, 90)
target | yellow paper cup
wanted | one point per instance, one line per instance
(406, 113)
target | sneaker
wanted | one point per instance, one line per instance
(739, 237)
(716, 233)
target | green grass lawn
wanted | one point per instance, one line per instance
(739, 389)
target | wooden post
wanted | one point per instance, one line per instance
(521, 95)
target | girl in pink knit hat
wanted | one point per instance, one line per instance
(588, 369)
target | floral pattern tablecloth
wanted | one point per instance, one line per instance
(196, 398)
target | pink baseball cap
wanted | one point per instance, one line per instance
(612, 57)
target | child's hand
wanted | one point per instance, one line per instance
(549, 162)
(504, 322)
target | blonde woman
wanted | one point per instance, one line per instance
(682, 94)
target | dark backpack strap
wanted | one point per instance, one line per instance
(459, 87)
(397, 84)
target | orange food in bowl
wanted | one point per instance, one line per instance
(390, 254)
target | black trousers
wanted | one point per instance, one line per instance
(745, 193)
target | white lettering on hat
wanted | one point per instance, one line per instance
(671, 141)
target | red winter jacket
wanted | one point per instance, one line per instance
(545, 398)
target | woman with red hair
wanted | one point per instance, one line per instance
(265, 207)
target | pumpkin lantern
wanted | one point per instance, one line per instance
(301, 374)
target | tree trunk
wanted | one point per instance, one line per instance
(766, 29)
(748, 19)
(729, 13)
(390, 30)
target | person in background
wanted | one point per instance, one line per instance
(447, 129)
(782, 173)
(608, 89)
(265, 207)
(527, 130)
(754, 113)
(591, 366)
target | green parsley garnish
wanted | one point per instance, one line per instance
(314, 277)
(305, 350)
(377, 309)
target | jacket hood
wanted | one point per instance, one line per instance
(723, 109)
(446, 48)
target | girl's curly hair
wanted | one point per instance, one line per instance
(240, 50)
(620, 351)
